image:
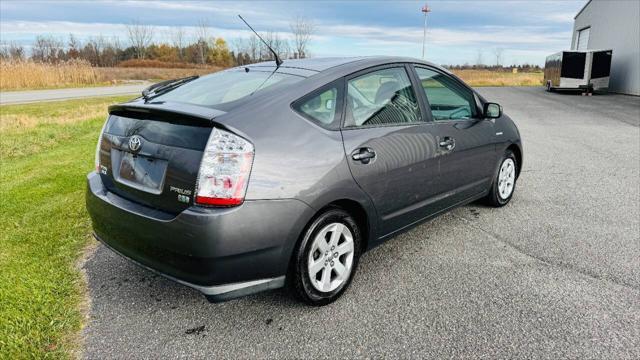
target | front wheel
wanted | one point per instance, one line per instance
(326, 259)
(504, 184)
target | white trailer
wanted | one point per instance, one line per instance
(584, 70)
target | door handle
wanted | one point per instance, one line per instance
(448, 143)
(364, 155)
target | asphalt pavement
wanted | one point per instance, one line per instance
(554, 274)
(30, 96)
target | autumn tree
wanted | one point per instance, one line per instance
(219, 53)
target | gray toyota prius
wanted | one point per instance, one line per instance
(268, 175)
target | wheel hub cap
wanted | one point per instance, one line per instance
(331, 257)
(506, 178)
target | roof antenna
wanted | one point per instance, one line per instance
(278, 60)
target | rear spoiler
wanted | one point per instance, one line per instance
(186, 113)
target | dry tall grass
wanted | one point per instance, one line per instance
(119, 74)
(499, 78)
(16, 75)
(23, 75)
(20, 75)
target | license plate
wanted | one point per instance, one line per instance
(143, 173)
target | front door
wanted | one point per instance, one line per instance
(391, 152)
(467, 156)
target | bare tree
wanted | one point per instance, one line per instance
(242, 50)
(271, 40)
(302, 30)
(73, 47)
(11, 51)
(202, 38)
(110, 51)
(140, 37)
(479, 58)
(238, 44)
(498, 53)
(285, 49)
(279, 44)
(4, 51)
(178, 40)
(47, 49)
(253, 47)
(16, 52)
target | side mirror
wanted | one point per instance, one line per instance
(328, 104)
(492, 111)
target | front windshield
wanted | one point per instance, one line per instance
(226, 86)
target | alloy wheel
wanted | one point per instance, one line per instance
(330, 259)
(506, 178)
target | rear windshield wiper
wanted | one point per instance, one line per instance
(164, 87)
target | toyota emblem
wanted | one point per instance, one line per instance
(134, 143)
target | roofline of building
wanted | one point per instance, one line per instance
(581, 10)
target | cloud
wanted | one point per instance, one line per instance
(566, 17)
(479, 36)
(455, 32)
(85, 30)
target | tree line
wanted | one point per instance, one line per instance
(177, 46)
(520, 67)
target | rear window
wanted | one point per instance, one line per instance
(226, 86)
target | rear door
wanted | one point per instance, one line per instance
(465, 141)
(391, 152)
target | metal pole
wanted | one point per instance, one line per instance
(424, 34)
(425, 9)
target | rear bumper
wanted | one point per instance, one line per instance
(222, 252)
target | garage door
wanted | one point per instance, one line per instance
(583, 39)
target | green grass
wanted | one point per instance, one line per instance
(44, 227)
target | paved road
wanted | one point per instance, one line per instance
(22, 97)
(554, 274)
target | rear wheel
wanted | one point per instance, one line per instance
(326, 259)
(504, 184)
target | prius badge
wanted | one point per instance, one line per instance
(135, 142)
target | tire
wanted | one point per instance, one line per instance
(500, 193)
(309, 252)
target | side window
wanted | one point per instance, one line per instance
(448, 99)
(381, 97)
(319, 107)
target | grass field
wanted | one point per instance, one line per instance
(478, 78)
(46, 149)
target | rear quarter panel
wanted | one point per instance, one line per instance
(294, 158)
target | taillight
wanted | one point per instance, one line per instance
(224, 171)
(97, 158)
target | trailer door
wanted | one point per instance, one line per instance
(601, 64)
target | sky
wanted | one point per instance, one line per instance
(458, 32)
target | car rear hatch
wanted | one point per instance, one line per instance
(151, 153)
